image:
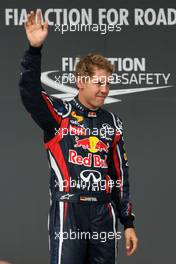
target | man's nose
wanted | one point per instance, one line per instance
(104, 88)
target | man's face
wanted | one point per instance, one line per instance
(95, 89)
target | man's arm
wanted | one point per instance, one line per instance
(45, 110)
(121, 192)
(119, 172)
(37, 102)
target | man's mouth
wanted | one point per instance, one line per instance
(101, 96)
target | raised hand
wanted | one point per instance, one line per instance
(35, 31)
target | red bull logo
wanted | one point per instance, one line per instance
(92, 143)
(92, 114)
(88, 161)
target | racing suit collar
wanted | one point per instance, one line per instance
(83, 109)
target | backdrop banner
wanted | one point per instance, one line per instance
(139, 37)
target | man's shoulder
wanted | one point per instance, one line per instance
(113, 118)
(62, 107)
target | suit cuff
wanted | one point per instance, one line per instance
(128, 224)
(34, 50)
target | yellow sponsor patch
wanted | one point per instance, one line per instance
(125, 156)
(79, 118)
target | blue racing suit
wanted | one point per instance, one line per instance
(89, 181)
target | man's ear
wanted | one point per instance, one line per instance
(79, 83)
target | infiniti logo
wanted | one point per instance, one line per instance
(87, 175)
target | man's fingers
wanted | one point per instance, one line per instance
(29, 19)
(132, 247)
(39, 18)
(128, 246)
(27, 23)
(45, 26)
(128, 243)
(32, 18)
(36, 33)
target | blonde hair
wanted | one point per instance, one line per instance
(88, 63)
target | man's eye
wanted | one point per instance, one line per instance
(101, 83)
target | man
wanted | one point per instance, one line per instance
(89, 184)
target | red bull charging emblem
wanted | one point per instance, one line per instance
(92, 143)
